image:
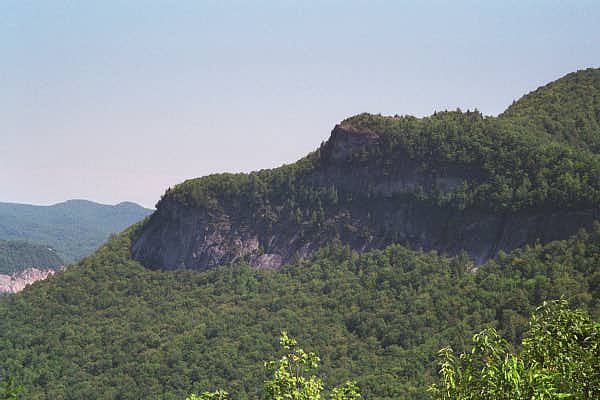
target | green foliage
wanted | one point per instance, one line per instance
(559, 359)
(293, 378)
(504, 165)
(541, 154)
(111, 327)
(16, 256)
(9, 390)
(567, 109)
(216, 395)
(565, 345)
(290, 374)
(349, 391)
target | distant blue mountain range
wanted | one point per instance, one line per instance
(74, 228)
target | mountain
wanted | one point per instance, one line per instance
(397, 237)
(16, 256)
(108, 328)
(74, 228)
(567, 109)
(452, 182)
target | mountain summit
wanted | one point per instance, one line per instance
(111, 328)
(452, 182)
(567, 109)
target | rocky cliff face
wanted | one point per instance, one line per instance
(17, 281)
(373, 211)
(181, 237)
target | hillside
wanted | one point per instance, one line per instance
(16, 256)
(74, 228)
(453, 181)
(567, 109)
(120, 331)
(397, 237)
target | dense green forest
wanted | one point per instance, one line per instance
(111, 327)
(505, 166)
(454, 181)
(567, 109)
(498, 167)
(508, 163)
(293, 377)
(74, 228)
(558, 358)
(15, 256)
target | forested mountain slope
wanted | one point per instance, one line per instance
(338, 235)
(16, 256)
(112, 329)
(453, 181)
(567, 109)
(74, 228)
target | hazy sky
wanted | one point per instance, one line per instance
(117, 100)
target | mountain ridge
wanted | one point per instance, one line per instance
(74, 228)
(454, 181)
(567, 109)
(112, 328)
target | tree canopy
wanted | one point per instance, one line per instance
(559, 358)
(111, 327)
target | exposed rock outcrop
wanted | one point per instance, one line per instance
(17, 281)
(181, 237)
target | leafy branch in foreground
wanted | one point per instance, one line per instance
(9, 390)
(216, 395)
(559, 359)
(293, 378)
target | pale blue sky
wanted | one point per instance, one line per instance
(117, 100)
